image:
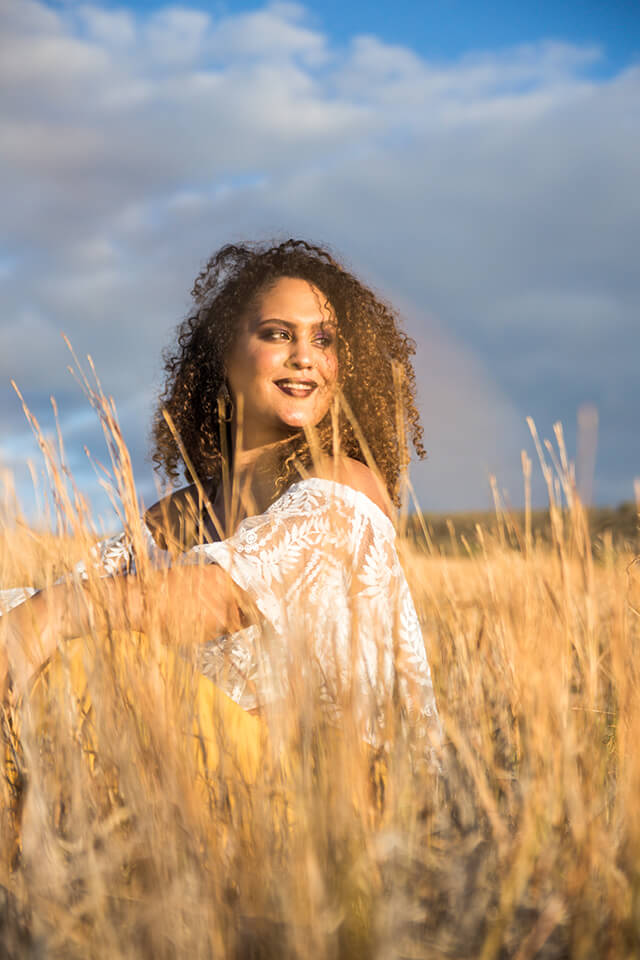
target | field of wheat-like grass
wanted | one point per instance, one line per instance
(122, 837)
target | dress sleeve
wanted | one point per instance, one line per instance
(322, 568)
(115, 556)
(14, 596)
(269, 557)
(279, 559)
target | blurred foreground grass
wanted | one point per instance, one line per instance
(117, 842)
(528, 846)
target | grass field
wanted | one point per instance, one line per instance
(526, 844)
(610, 528)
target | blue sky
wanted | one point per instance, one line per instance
(478, 164)
(451, 28)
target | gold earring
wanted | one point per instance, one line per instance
(225, 404)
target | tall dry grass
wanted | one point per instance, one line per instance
(115, 844)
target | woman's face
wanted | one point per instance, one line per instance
(284, 363)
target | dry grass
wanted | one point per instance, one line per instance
(115, 843)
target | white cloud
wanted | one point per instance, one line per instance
(29, 17)
(274, 33)
(41, 62)
(112, 28)
(473, 87)
(176, 36)
(496, 193)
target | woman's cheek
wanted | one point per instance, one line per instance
(267, 361)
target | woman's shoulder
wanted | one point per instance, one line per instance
(352, 473)
(175, 521)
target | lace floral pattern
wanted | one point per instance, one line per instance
(115, 556)
(322, 568)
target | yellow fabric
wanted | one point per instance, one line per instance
(230, 748)
(221, 732)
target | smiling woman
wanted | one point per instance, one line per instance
(284, 363)
(288, 312)
(288, 403)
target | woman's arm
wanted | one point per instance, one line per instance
(203, 600)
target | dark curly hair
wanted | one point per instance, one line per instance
(375, 372)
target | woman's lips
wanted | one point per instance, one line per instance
(296, 388)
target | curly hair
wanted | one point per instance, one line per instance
(376, 375)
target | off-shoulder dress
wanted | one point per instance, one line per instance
(321, 566)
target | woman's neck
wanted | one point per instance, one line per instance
(251, 486)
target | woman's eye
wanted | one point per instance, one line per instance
(324, 339)
(275, 334)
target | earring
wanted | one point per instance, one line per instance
(225, 404)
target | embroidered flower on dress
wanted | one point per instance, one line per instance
(322, 568)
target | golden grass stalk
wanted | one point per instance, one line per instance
(123, 836)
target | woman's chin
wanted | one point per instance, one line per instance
(298, 420)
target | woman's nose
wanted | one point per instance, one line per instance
(300, 354)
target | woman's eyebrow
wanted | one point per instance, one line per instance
(292, 324)
(261, 320)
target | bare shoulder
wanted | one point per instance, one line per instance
(173, 519)
(177, 500)
(358, 476)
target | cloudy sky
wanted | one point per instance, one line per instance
(479, 170)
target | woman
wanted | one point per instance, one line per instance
(287, 404)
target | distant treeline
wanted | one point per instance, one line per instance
(450, 533)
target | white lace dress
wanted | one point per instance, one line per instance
(339, 622)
